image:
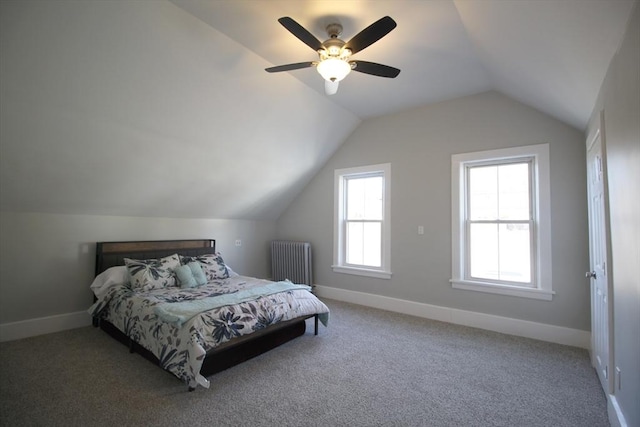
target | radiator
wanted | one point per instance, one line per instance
(291, 260)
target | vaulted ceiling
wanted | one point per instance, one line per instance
(549, 54)
(156, 108)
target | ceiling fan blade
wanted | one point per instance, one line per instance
(300, 32)
(330, 88)
(371, 34)
(289, 67)
(375, 69)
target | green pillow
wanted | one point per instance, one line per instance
(185, 277)
(198, 273)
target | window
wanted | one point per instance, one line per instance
(501, 223)
(362, 221)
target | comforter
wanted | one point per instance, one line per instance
(182, 346)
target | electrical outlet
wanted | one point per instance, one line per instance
(421, 229)
(238, 242)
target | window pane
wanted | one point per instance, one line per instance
(500, 252)
(364, 198)
(355, 252)
(364, 241)
(513, 188)
(372, 244)
(515, 253)
(355, 198)
(483, 193)
(483, 251)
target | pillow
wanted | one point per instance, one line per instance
(185, 277)
(190, 275)
(114, 276)
(151, 274)
(212, 265)
(198, 274)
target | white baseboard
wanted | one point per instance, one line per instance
(616, 417)
(524, 328)
(505, 325)
(43, 325)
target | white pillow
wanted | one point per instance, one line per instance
(114, 276)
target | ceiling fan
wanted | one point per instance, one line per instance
(334, 54)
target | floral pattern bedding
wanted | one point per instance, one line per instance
(181, 351)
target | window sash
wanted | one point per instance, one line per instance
(468, 222)
(347, 240)
(366, 211)
(469, 259)
(529, 161)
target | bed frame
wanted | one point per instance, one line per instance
(231, 353)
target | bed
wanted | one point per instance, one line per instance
(178, 304)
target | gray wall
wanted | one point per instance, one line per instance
(620, 99)
(47, 260)
(419, 144)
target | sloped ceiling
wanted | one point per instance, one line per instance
(549, 54)
(137, 108)
(155, 108)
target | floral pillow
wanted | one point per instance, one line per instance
(148, 274)
(212, 265)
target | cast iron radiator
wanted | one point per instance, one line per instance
(291, 260)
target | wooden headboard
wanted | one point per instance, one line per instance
(110, 254)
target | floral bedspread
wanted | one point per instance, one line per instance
(181, 350)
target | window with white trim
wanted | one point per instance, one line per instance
(501, 237)
(362, 221)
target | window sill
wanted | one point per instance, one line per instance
(494, 288)
(380, 274)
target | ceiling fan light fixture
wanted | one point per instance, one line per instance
(333, 69)
(334, 54)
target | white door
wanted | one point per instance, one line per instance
(601, 336)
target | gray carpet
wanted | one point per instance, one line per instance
(369, 368)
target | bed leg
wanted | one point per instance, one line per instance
(191, 389)
(315, 321)
(131, 350)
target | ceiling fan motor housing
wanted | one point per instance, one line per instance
(333, 48)
(334, 30)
